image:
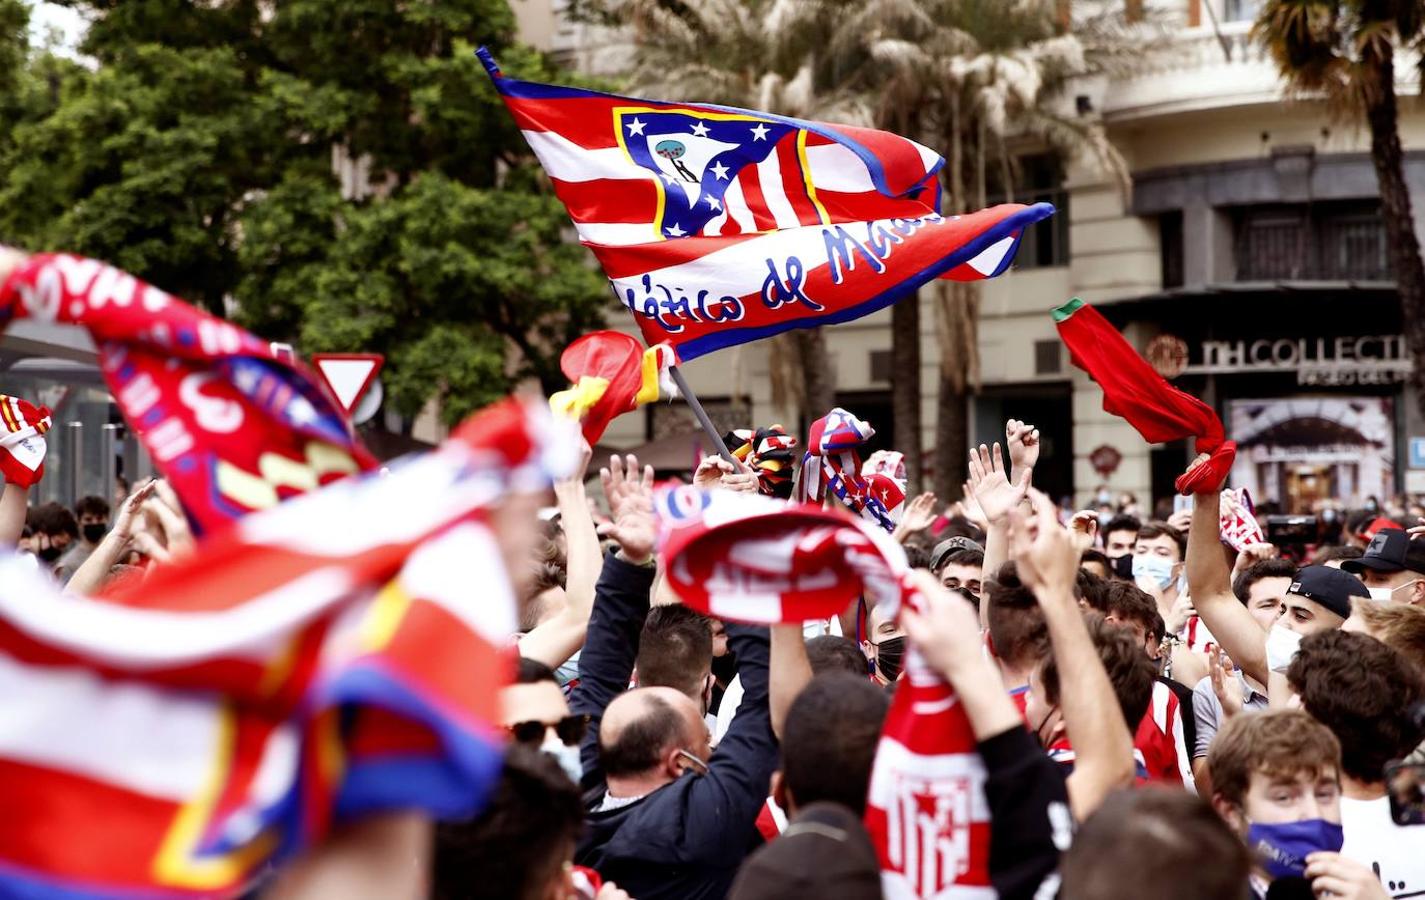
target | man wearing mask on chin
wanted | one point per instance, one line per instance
(884, 647)
(1276, 779)
(1393, 568)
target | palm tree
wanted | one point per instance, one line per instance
(1345, 50)
(972, 78)
(757, 54)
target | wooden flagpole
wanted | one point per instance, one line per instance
(700, 414)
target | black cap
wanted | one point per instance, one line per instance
(1330, 587)
(825, 852)
(1391, 550)
(949, 546)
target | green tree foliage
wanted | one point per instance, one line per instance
(201, 153)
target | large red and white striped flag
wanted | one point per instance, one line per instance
(336, 656)
(718, 225)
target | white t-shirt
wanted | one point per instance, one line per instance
(1395, 853)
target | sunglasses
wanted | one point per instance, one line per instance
(570, 730)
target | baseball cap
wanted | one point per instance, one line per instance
(1332, 588)
(825, 852)
(1391, 550)
(949, 546)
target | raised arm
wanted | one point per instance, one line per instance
(727, 800)
(1048, 561)
(554, 641)
(790, 672)
(620, 604)
(1024, 788)
(996, 496)
(14, 505)
(1210, 584)
(93, 574)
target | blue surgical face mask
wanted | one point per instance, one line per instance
(1157, 569)
(1282, 849)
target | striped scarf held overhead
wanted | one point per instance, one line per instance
(319, 662)
(769, 453)
(832, 464)
(746, 558)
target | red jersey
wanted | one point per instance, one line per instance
(1159, 739)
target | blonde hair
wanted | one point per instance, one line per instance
(1398, 626)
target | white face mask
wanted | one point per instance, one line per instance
(1386, 595)
(1282, 644)
(566, 756)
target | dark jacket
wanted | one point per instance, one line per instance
(687, 839)
(1029, 814)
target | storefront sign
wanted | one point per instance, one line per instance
(1336, 362)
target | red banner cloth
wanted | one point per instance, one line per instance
(231, 426)
(1133, 391)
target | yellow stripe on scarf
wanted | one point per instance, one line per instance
(580, 398)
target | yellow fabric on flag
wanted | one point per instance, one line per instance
(580, 398)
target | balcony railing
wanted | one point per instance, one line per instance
(1336, 249)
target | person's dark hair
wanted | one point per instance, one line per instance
(965, 556)
(675, 649)
(829, 740)
(1128, 668)
(1127, 602)
(1169, 839)
(1122, 522)
(830, 653)
(1152, 530)
(51, 518)
(519, 842)
(1266, 568)
(93, 506)
(640, 743)
(1358, 687)
(1089, 586)
(1016, 623)
(1336, 552)
(532, 671)
(917, 556)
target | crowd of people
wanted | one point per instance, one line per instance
(1158, 713)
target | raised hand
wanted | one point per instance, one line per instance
(1199, 460)
(1224, 683)
(165, 535)
(919, 515)
(1084, 525)
(969, 507)
(991, 485)
(631, 506)
(1044, 552)
(1180, 613)
(716, 472)
(1023, 441)
(1252, 554)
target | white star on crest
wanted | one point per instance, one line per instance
(676, 231)
(636, 127)
(760, 132)
(712, 201)
(720, 171)
(700, 130)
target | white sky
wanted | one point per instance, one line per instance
(68, 24)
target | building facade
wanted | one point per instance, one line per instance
(1248, 262)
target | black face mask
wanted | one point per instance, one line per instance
(94, 532)
(890, 656)
(1123, 567)
(49, 554)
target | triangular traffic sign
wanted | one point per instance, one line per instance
(348, 375)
